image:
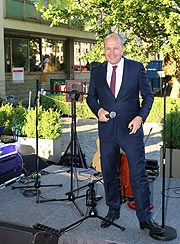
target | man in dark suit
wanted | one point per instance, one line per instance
(120, 125)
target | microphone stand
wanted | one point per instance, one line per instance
(37, 184)
(91, 201)
(169, 232)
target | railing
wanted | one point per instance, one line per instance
(21, 9)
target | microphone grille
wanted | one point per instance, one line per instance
(112, 114)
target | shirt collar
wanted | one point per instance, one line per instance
(118, 64)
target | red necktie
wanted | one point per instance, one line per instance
(113, 80)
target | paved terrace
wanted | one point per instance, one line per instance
(87, 134)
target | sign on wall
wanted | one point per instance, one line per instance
(18, 75)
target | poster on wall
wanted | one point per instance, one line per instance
(18, 75)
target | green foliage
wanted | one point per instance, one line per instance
(12, 117)
(19, 120)
(6, 116)
(157, 112)
(82, 110)
(64, 12)
(95, 54)
(171, 130)
(47, 102)
(59, 102)
(49, 123)
(29, 127)
(150, 27)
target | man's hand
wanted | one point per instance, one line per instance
(102, 115)
(134, 125)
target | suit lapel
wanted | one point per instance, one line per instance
(103, 82)
(102, 76)
(124, 78)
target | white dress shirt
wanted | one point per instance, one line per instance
(119, 74)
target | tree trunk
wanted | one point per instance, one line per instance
(175, 88)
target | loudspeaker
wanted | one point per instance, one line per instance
(74, 88)
(11, 233)
(29, 164)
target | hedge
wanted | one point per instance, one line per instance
(82, 110)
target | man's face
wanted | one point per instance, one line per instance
(113, 49)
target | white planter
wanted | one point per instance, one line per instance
(47, 148)
(172, 165)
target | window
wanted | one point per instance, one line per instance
(80, 48)
(34, 54)
(29, 53)
(54, 51)
(7, 50)
(20, 53)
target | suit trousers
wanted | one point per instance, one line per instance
(133, 146)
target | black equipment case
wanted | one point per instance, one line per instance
(10, 163)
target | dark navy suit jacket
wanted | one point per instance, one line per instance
(127, 103)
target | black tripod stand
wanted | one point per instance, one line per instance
(77, 158)
(37, 183)
(75, 152)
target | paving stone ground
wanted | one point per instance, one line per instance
(87, 134)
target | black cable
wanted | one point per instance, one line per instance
(176, 191)
(30, 193)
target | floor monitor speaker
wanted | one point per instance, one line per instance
(29, 164)
(11, 233)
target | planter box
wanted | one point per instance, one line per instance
(47, 149)
(172, 164)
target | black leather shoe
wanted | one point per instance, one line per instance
(109, 219)
(152, 226)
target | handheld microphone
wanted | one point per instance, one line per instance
(111, 115)
(43, 63)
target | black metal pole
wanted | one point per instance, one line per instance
(37, 184)
(169, 232)
(73, 157)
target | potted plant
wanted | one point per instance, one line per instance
(20, 121)
(171, 137)
(49, 134)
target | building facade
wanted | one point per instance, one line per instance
(27, 40)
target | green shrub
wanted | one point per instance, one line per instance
(83, 111)
(47, 102)
(22, 121)
(12, 117)
(49, 123)
(18, 119)
(29, 127)
(171, 129)
(6, 112)
(54, 106)
(157, 112)
(59, 102)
